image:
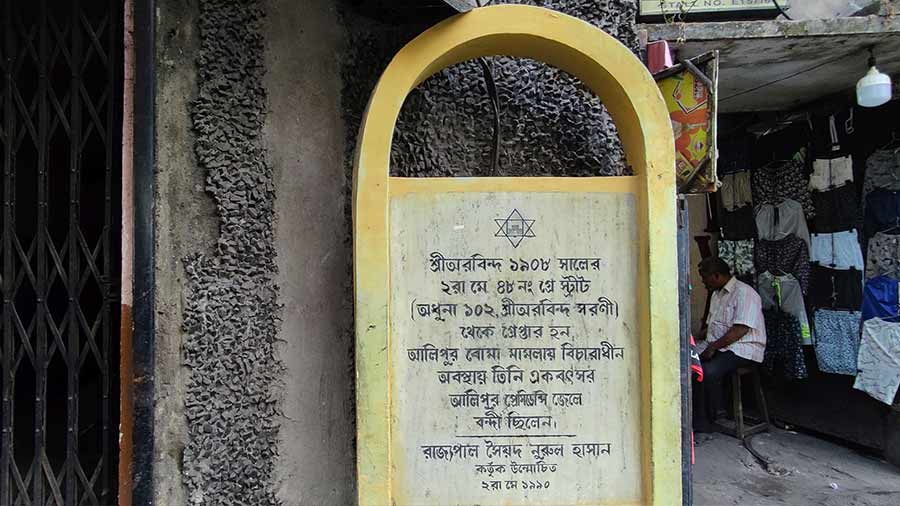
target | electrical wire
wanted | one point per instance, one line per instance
(781, 10)
(789, 76)
(495, 105)
(758, 456)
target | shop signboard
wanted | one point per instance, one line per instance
(687, 7)
(690, 91)
(517, 338)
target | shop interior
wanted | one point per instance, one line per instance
(808, 213)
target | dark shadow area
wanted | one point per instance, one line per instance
(60, 119)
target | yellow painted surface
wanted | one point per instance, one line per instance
(635, 103)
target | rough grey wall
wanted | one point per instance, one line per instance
(186, 223)
(817, 9)
(305, 139)
(221, 436)
(231, 314)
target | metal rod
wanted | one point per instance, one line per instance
(106, 424)
(491, 86)
(73, 275)
(6, 442)
(144, 248)
(684, 305)
(41, 359)
(698, 73)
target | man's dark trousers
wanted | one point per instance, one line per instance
(708, 393)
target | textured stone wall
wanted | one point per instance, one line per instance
(231, 315)
(230, 380)
(550, 124)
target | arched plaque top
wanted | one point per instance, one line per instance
(601, 62)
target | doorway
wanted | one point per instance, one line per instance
(60, 139)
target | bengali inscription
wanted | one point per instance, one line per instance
(515, 364)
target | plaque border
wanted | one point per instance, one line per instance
(636, 105)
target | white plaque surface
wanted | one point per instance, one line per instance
(514, 369)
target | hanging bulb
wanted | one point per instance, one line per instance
(874, 88)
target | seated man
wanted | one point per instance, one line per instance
(733, 336)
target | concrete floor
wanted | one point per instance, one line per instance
(805, 470)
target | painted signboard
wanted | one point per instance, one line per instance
(517, 338)
(676, 7)
(690, 92)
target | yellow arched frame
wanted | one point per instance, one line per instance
(626, 88)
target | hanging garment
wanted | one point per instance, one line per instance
(831, 173)
(784, 351)
(775, 222)
(738, 255)
(882, 171)
(786, 256)
(878, 362)
(735, 190)
(837, 340)
(882, 212)
(783, 292)
(737, 225)
(779, 181)
(836, 210)
(883, 258)
(880, 298)
(835, 289)
(832, 132)
(839, 250)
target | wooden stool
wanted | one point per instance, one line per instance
(740, 429)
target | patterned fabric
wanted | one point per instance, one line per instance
(774, 222)
(777, 182)
(828, 174)
(837, 340)
(878, 362)
(880, 298)
(834, 289)
(784, 351)
(787, 256)
(783, 292)
(737, 304)
(737, 225)
(735, 190)
(738, 255)
(836, 210)
(839, 250)
(882, 171)
(883, 258)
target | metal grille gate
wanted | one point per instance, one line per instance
(60, 137)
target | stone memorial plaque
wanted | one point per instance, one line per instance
(514, 351)
(517, 337)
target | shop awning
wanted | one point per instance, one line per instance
(782, 65)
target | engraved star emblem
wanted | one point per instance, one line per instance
(514, 228)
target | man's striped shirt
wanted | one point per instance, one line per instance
(737, 303)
